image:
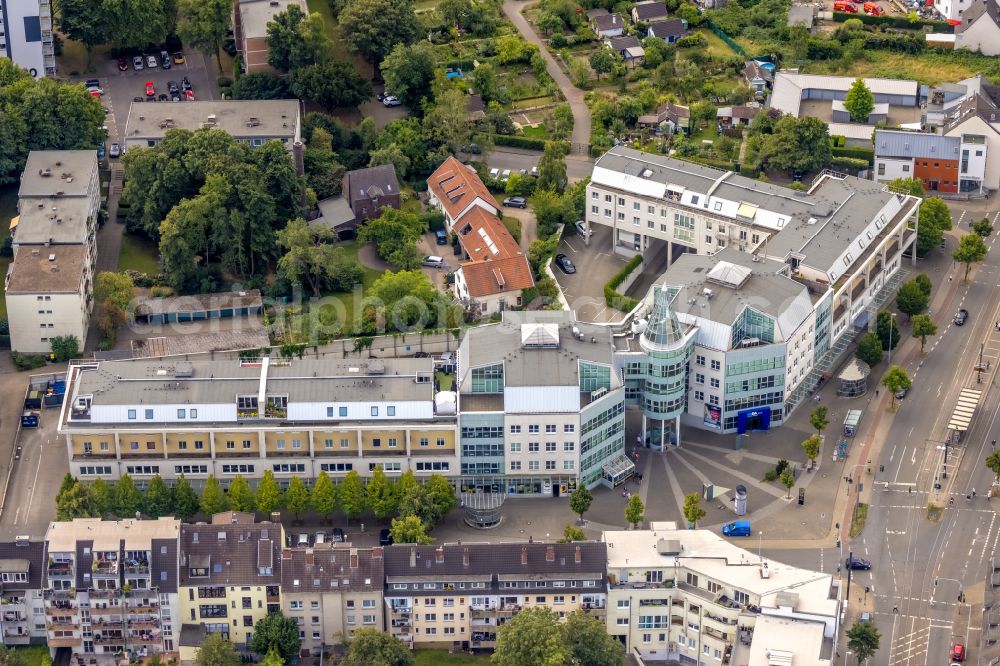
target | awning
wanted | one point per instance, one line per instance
(13, 222)
(617, 465)
(965, 409)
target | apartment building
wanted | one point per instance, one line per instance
(26, 35)
(22, 612)
(943, 163)
(332, 590)
(250, 19)
(230, 574)
(693, 597)
(49, 283)
(750, 325)
(977, 115)
(541, 408)
(459, 595)
(218, 414)
(111, 587)
(251, 122)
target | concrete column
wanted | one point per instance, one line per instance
(663, 427)
(677, 428)
(670, 253)
(643, 426)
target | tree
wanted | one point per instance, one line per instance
(241, 495)
(393, 233)
(185, 498)
(932, 221)
(409, 529)
(602, 61)
(818, 420)
(159, 499)
(374, 27)
(993, 463)
(982, 227)
(580, 500)
(446, 124)
(635, 511)
(924, 282)
(268, 493)
(486, 85)
(408, 72)
(102, 496)
(84, 21)
(312, 259)
(352, 495)
(405, 299)
(65, 347)
(870, 349)
(115, 287)
(579, 72)
(272, 658)
(261, 85)
(277, 632)
(324, 495)
(692, 509)
(572, 533)
(410, 496)
(971, 249)
(811, 448)
(590, 642)
(787, 479)
(797, 144)
(911, 299)
(75, 502)
(217, 651)
(863, 640)
(439, 498)
(203, 24)
(332, 84)
(371, 646)
(127, 497)
(859, 101)
(532, 638)
(912, 186)
(213, 500)
(552, 166)
(923, 326)
(381, 494)
(296, 40)
(887, 331)
(297, 496)
(895, 380)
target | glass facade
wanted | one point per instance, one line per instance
(602, 435)
(823, 319)
(752, 328)
(482, 447)
(488, 379)
(594, 376)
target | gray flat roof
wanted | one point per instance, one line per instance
(256, 14)
(69, 173)
(57, 269)
(916, 144)
(53, 219)
(252, 118)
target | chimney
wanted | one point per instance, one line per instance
(550, 554)
(439, 554)
(310, 558)
(578, 555)
(377, 553)
(354, 560)
(286, 553)
(465, 556)
(524, 554)
(413, 558)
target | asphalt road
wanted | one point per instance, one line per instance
(921, 566)
(578, 167)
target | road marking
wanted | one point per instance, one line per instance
(913, 458)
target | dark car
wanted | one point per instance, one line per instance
(961, 316)
(163, 97)
(172, 87)
(384, 538)
(122, 64)
(338, 535)
(858, 564)
(138, 99)
(565, 264)
(441, 237)
(516, 202)
(185, 84)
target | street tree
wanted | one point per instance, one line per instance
(911, 299)
(887, 331)
(203, 24)
(268, 493)
(324, 495)
(297, 497)
(374, 27)
(439, 498)
(692, 509)
(371, 646)
(863, 640)
(215, 650)
(895, 380)
(275, 631)
(312, 258)
(159, 499)
(818, 420)
(532, 638)
(185, 499)
(213, 500)
(296, 39)
(352, 495)
(983, 227)
(590, 642)
(923, 326)
(127, 497)
(971, 250)
(409, 529)
(408, 72)
(787, 479)
(924, 281)
(572, 533)
(932, 221)
(859, 101)
(870, 349)
(580, 500)
(381, 493)
(635, 511)
(552, 166)
(241, 495)
(993, 463)
(811, 447)
(333, 84)
(602, 61)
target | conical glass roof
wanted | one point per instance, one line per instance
(663, 330)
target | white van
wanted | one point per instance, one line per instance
(433, 262)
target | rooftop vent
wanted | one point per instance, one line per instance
(52, 257)
(45, 173)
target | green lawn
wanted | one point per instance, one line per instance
(445, 658)
(138, 254)
(445, 381)
(8, 209)
(340, 50)
(329, 314)
(32, 655)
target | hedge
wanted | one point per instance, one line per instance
(895, 22)
(519, 142)
(866, 154)
(848, 164)
(611, 297)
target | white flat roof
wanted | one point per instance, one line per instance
(800, 639)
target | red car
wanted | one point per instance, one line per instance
(189, 95)
(958, 652)
(150, 91)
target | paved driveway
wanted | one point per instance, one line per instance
(578, 167)
(595, 265)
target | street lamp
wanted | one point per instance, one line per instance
(892, 320)
(760, 539)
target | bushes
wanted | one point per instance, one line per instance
(611, 297)
(895, 22)
(866, 154)
(694, 40)
(848, 164)
(519, 142)
(28, 362)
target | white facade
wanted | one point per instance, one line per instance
(542, 443)
(888, 169)
(37, 318)
(990, 130)
(26, 35)
(983, 35)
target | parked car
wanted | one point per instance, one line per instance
(163, 97)
(138, 99)
(901, 393)
(848, 7)
(137, 63)
(150, 90)
(391, 101)
(433, 262)
(873, 9)
(961, 316)
(736, 528)
(165, 61)
(115, 151)
(122, 64)
(516, 202)
(534, 171)
(382, 95)
(505, 176)
(189, 95)
(958, 652)
(178, 58)
(581, 228)
(441, 237)
(151, 61)
(494, 173)
(101, 150)
(564, 263)
(384, 537)
(172, 87)
(858, 564)
(185, 84)
(338, 535)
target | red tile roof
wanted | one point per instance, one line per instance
(485, 278)
(483, 236)
(456, 186)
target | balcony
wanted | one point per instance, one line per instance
(137, 569)
(400, 624)
(60, 568)
(656, 602)
(502, 610)
(62, 609)
(62, 623)
(64, 642)
(715, 633)
(144, 638)
(104, 593)
(111, 622)
(143, 607)
(401, 611)
(144, 624)
(111, 609)
(108, 640)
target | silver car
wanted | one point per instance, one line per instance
(151, 62)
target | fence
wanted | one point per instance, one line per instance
(727, 39)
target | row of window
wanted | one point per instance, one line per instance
(535, 447)
(349, 604)
(515, 465)
(549, 428)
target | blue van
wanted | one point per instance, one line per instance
(441, 237)
(736, 528)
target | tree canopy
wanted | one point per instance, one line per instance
(311, 258)
(971, 250)
(859, 101)
(870, 349)
(932, 221)
(863, 640)
(371, 646)
(217, 651)
(923, 326)
(277, 632)
(374, 27)
(409, 529)
(408, 72)
(296, 39)
(911, 299)
(395, 234)
(332, 84)
(203, 24)
(895, 380)
(797, 144)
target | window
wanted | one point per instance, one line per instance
(569, 446)
(515, 429)
(342, 411)
(329, 412)
(533, 465)
(716, 365)
(568, 464)
(651, 210)
(569, 427)
(595, 209)
(515, 465)
(515, 447)
(593, 194)
(699, 359)
(532, 447)
(550, 427)
(532, 428)
(881, 168)
(550, 464)
(699, 378)
(550, 447)
(374, 411)
(131, 414)
(714, 382)
(180, 413)
(699, 395)
(390, 410)
(623, 603)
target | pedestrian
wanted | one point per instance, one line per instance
(876, 393)
(994, 444)
(950, 277)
